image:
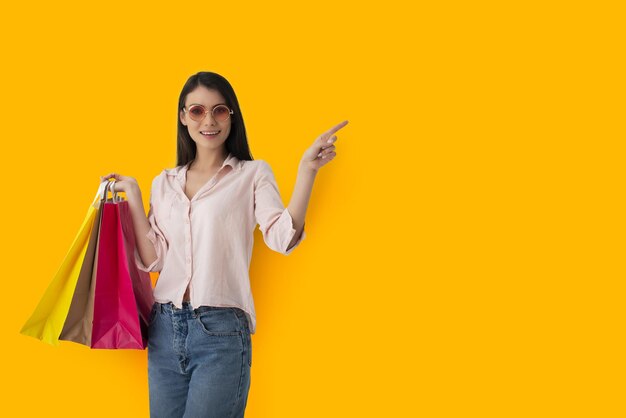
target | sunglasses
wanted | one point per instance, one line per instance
(198, 112)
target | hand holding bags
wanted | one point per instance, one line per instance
(98, 297)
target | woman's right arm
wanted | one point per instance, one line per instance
(149, 241)
(145, 247)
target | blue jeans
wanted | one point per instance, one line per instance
(198, 361)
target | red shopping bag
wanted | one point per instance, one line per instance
(123, 295)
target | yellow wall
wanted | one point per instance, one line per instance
(464, 251)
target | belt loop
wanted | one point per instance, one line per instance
(161, 307)
(236, 313)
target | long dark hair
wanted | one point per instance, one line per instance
(237, 141)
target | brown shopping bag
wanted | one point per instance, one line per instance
(78, 324)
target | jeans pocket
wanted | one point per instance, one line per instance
(219, 323)
(153, 314)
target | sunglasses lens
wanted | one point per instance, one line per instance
(221, 113)
(196, 112)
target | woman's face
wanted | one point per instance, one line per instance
(209, 99)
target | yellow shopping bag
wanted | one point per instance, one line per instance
(46, 322)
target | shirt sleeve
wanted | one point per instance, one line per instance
(275, 221)
(156, 237)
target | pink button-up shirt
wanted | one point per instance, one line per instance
(207, 242)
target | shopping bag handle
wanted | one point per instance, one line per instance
(102, 193)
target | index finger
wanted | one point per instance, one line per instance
(336, 128)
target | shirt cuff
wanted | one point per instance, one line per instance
(151, 235)
(286, 224)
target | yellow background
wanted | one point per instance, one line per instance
(464, 255)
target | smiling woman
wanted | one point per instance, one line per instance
(199, 235)
(206, 116)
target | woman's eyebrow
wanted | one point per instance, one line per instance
(210, 106)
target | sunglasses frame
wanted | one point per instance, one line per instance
(206, 111)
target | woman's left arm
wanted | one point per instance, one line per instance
(320, 153)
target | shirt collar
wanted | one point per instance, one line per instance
(180, 170)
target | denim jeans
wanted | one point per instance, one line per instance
(198, 361)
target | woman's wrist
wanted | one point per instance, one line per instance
(134, 192)
(305, 168)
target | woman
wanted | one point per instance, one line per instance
(199, 234)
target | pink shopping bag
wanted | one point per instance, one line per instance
(123, 294)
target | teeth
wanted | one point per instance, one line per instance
(209, 133)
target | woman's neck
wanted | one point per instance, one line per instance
(208, 161)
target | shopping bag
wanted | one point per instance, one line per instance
(78, 323)
(123, 294)
(47, 320)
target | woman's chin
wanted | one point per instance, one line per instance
(204, 143)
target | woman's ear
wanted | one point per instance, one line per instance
(182, 117)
